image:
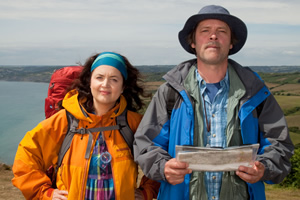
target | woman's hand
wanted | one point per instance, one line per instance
(59, 194)
(138, 194)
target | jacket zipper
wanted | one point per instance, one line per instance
(83, 180)
(112, 168)
(86, 170)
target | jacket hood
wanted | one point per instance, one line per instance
(176, 76)
(72, 105)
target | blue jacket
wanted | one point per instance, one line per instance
(155, 143)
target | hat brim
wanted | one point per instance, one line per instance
(237, 26)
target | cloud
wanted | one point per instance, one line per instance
(291, 53)
(144, 30)
(252, 11)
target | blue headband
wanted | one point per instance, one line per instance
(111, 59)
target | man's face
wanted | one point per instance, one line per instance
(212, 41)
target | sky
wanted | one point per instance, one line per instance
(67, 32)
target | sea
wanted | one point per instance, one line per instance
(21, 109)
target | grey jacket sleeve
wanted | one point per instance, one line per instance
(152, 155)
(279, 148)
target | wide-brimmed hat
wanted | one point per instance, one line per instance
(237, 26)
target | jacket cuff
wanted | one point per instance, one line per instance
(266, 175)
(162, 170)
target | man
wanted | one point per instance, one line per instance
(219, 104)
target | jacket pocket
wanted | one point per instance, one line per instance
(122, 152)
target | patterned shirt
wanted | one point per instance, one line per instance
(216, 113)
(100, 183)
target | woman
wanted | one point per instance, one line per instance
(107, 85)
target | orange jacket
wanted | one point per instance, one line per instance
(40, 147)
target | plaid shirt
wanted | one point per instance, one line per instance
(217, 115)
(100, 183)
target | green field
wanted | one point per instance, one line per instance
(288, 103)
(281, 78)
(273, 192)
(295, 138)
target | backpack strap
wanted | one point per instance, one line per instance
(172, 96)
(125, 130)
(122, 125)
(259, 108)
(67, 140)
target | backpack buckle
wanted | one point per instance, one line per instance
(81, 131)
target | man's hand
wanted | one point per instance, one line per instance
(251, 174)
(175, 171)
(60, 194)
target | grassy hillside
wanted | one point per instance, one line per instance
(289, 104)
(281, 78)
(274, 74)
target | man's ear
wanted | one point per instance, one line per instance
(193, 45)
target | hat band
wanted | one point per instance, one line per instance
(111, 59)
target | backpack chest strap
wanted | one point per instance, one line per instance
(122, 126)
(73, 124)
(83, 131)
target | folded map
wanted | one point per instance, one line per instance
(217, 159)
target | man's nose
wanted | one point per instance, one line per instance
(213, 36)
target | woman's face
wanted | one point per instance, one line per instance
(106, 86)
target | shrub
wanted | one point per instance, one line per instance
(291, 111)
(294, 129)
(293, 178)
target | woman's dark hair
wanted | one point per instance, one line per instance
(133, 90)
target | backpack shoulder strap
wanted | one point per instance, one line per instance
(171, 99)
(72, 124)
(260, 107)
(125, 130)
(122, 125)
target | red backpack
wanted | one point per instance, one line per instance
(60, 80)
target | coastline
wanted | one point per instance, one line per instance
(4, 166)
(7, 190)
